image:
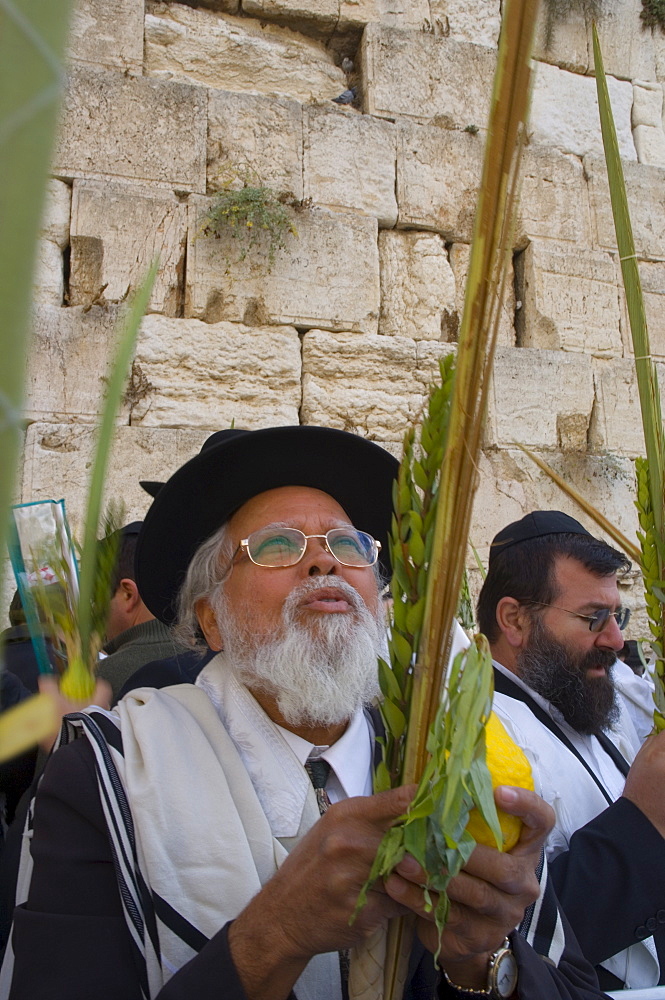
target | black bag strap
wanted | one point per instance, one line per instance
(508, 687)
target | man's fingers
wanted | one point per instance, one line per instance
(536, 815)
(383, 808)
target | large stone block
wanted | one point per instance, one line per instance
(68, 362)
(438, 174)
(476, 21)
(414, 14)
(48, 283)
(652, 276)
(327, 276)
(629, 51)
(554, 202)
(318, 15)
(58, 458)
(209, 375)
(570, 300)
(424, 76)
(542, 399)
(650, 145)
(563, 41)
(417, 287)
(107, 33)
(241, 54)
(254, 139)
(511, 485)
(372, 385)
(117, 231)
(645, 187)
(616, 426)
(460, 255)
(349, 163)
(129, 127)
(564, 112)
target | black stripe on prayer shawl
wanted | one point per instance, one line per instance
(525, 925)
(124, 864)
(178, 924)
(147, 903)
(548, 917)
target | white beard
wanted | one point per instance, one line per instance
(319, 672)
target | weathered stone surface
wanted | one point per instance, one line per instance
(652, 276)
(563, 41)
(327, 276)
(68, 363)
(645, 187)
(474, 21)
(460, 254)
(564, 112)
(349, 163)
(417, 287)
(208, 375)
(647, 104)
(554, 203)
(414, 14)
(511, 485)
(542, 399)
(616, 425)
(438, 173)
(316, 14)
(650, 145)
(423, 76)
(628, 50)
(48, 282)
(570, 300)
(241, 54)
(371, 385)
(48, 285)
(255, 139)
(58, 458)
(130, 127)
(57, 208)
(117, 231)
(107, 33)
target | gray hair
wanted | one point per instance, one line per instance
(205, 575)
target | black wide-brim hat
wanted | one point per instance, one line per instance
(235, 465)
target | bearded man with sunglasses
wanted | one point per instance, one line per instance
(183, 846)
(551, 609)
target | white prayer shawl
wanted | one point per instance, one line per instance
(561, 780)
(205, 854)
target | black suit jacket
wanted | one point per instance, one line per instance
(71, 941)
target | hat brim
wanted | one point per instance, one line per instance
(204, 493)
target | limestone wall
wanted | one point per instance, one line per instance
(166, 101)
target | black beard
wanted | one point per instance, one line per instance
(588, 704)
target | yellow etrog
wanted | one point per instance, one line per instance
(507, 765)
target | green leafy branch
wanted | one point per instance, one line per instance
(456, 779)
(414, 504)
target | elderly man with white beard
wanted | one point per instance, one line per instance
(183, 846)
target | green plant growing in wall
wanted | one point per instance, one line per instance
(653, 14)
(255, 215)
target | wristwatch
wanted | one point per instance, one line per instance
(501, 977)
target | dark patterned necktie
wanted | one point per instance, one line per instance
(318, 770)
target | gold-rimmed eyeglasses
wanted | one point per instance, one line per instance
(275, 546)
